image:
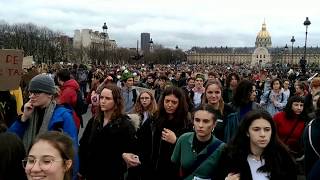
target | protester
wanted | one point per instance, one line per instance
(8, 109)
(12, 152)
(197, 153)
(290, 125)
(274, 100)
(231, 85)
(107, 137)
(145, 110)
(41, 113)
(50, 156)
(255, 152)
(171, 121)
(311, 136)
(198, 90)
(213, 96)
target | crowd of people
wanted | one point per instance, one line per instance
(172, 122)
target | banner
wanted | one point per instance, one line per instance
(10, 68)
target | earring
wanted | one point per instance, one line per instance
(212, 130)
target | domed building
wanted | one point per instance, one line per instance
(260, 56)
(263, 38)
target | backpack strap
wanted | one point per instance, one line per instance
(201, 158)
(134, 95)
(268, 96)
(310, 139)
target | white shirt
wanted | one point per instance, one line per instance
(254, 166)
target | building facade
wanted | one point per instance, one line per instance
(145, 42)
(86, 37)
(262, 55)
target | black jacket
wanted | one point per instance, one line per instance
(101, 148)
(239, 164)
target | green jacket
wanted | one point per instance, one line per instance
(184, 156)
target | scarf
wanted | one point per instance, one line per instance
(31, 130)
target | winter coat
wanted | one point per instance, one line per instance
(239, 164)
(311, 156)
(163, 167)
(290, 131)
(184, 154)
(101, 148)
(61, 120)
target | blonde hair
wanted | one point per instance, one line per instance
(204, 97)
(151, 109)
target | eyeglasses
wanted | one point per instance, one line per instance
(35, 93)
(44, 163)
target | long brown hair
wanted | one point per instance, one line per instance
(118, 102)
(151, 109)
(204, 97)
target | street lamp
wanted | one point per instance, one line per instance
(306, 23)
(292, 42)
(285, 52)
(104, 33)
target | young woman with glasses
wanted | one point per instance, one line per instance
(50, 157)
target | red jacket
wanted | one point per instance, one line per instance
(68, 94)
(284, 128)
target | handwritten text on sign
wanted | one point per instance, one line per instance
(10, 68)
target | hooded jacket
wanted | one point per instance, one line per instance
(69, 92)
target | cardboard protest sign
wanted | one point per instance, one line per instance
(10, 68)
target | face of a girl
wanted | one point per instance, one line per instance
(203, 124)
(171, 103)
(213, 94)
(276, 85)
(253, 94)
(297, 107)
(106, 100)
(145, 100)
(259, 133)
(45, 162)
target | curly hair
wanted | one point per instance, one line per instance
(242, 94)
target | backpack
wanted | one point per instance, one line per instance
(134, 95)
(81, 107)
(269, 96)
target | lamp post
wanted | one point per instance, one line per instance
(104, 33)
(285, 52)
(306, 23)
(292, 42)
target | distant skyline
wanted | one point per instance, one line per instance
(186, 23)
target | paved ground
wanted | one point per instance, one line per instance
(86, 118)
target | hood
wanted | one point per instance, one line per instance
(71, 84)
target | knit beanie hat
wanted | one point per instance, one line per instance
(42, 83)
(126, 75)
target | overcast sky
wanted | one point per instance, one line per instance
(185, 23)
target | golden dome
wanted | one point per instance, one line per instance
(263, 34)
(263, 38)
